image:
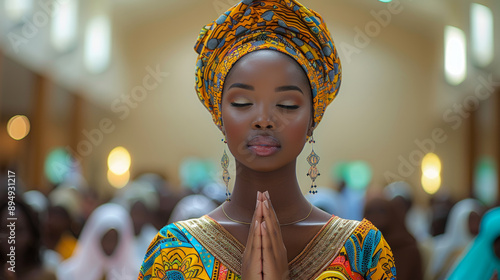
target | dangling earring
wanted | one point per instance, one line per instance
(313, 160)
(224, 162)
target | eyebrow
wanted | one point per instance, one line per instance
(243, 86)
(278, 89)
(287, 88)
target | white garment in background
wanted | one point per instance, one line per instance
(456, 236)
(192, 206)
(89, 262)
(141, 242)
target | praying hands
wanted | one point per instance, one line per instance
(265, 255)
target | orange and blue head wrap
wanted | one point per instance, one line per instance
(282, 25)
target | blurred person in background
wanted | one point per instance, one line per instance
(353, 180)
(196, 176)
(63, 213)
(105, 248)
(388, 215)
(481, 259)
(461, 228)
(166, 195)
(328, 201)
(440, 204)
(28, 251)
(38, 202)
(417, 219)
(140, 199)
(167, 201)
(281, 70)
(192, 206)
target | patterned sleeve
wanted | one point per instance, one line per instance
(171, 255)
(365, 255)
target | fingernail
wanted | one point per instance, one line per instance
(256, 206)
(264, 224)
(258, 195)
(266, 204)
(256, 224)
(267, 195)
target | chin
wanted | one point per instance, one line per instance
(264, 164)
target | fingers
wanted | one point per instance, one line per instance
(267, 245)
(252, 257)
(274, 256)
(257, 217)
(271, 230)
(251, 267)
(271, 219)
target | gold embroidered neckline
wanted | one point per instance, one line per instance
(314, 258)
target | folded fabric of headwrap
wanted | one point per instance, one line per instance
(281, 25)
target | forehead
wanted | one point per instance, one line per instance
(267, 63)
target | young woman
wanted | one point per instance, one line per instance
(266, 71)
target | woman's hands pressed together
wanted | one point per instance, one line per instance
(265, 255)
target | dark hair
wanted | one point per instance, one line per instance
(32, 256)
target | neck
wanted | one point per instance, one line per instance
(284, 190)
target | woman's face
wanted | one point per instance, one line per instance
(266, 110)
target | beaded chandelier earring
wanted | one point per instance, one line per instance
(313, 160)
(224, 162)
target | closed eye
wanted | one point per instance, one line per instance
(288, 107)
(234, 104)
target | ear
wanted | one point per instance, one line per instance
(311, 128)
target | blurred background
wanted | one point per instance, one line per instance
(97, 106)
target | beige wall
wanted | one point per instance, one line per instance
(392, 94)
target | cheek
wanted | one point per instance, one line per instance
(234, 123)
(298, 126)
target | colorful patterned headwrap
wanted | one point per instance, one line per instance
(281, 25)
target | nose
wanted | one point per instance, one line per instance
(264, 119)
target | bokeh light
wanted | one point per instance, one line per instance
(358, 175)
(431, 173)
(97, 47)
(482, 35)
(486, 181)
(431, 185)
(455, 55)
(119, 160)
(16, 9)
(58, 164)
(64, 25)
(18, 127)
(118, 181)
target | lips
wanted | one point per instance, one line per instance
(263, 145)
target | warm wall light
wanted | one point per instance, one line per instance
(431, 185)
(431, 173)
(16, 9)
(18, 127)
(118, 181)
(97, 49)
(455, 57)
(119, 160)
(481, 34)
(64, 24)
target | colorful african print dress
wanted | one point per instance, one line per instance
(203, 249)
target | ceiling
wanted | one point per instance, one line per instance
(423, 18)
